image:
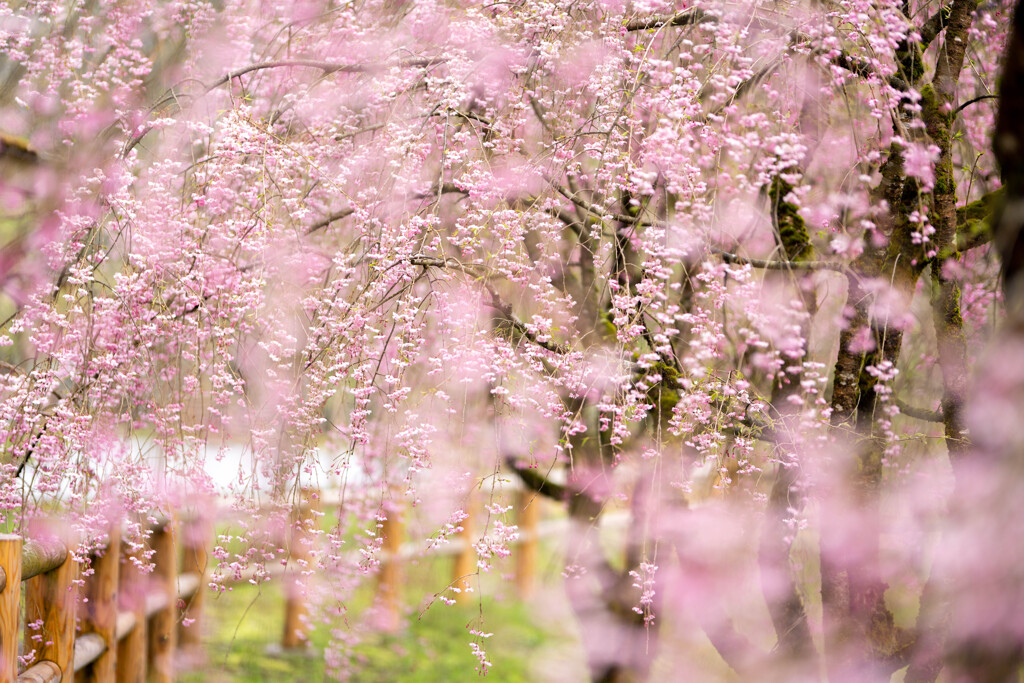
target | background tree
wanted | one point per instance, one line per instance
(687, 259)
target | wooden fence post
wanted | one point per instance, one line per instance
(10, 562)
(389, 580)
(51, 599)
(527, 518)
(194, 560)
(465, 561)
(131, 654)
(301, 536)
(101, 610)
(163, 628)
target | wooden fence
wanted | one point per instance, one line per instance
(129, 623)
(397, 549)
(528, 508)
(525, 550)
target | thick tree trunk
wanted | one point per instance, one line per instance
(939, 102)
(785, 604)
(995, 657)
(794, 645)
(861, 635)
(619, 644)
(1009, 148)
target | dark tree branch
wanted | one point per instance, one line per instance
(594, 209)
(570, 221)
(325, 67)
(769, 264)
(17, 149)
(918, 413)
(864, 70)
(565, 217)
(519, 326)
(933, 26)
(685, 18)
(748, 85)
(974, 221)
(535, 481)
(496, 301)
(969, 102)
(468, 115)
(446, 188)
(336, 216)
(982, 208)
(425, 261)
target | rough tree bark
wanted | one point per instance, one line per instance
(860, 628)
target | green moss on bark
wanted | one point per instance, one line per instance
(939, 124)
(911, 62)
(790, 224)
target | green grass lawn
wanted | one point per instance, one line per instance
(241, 632)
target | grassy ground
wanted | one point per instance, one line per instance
(241, 630)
